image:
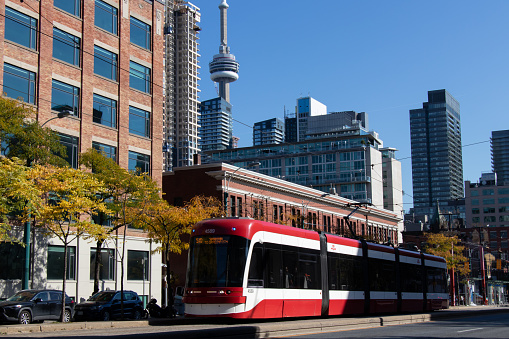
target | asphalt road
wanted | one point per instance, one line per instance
(486, 326)
(458, 322)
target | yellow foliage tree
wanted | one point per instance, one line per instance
(67, 197)
(450, 248)
(167, 224)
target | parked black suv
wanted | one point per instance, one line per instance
(36, 305)
(106, 305)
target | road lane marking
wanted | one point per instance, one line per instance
(472, 329)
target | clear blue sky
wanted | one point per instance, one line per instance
(378, 57)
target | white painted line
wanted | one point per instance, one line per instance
(473, 329)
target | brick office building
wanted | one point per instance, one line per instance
(101, 60)
(250, 194)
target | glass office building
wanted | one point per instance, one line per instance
(216, 125)
(500, 155)
(437, 166)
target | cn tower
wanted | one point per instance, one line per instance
(223, 67)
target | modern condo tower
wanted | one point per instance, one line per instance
(224, 68)
(437, 167)
(181, 105)
(500, 155)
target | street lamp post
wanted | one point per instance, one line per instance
(27, 229)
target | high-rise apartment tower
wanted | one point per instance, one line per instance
(437, 167)
(181, 104)
(500, 155)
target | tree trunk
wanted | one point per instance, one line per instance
(63, 281)
(169, 289)
(122, 276)
(97, 265)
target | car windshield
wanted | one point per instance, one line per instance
(22, 296)
(102, 296)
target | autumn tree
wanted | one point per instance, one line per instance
(16, 191)
(68, 197)
(126, 195)
(24, 138)
(166, 225)
(450, 248)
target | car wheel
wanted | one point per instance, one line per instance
(25, 317)
(106, 316)
(67, 316)
(136, 315)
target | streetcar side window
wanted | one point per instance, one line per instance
(345, 272)
(411, 278)
(291, 268)
(255, 277)
(273, 266)
(382, 275)
(437, 280)
(309, 267)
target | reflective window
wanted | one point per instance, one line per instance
(106, 16)
(139, 162)
(139, 77)
(19, 83)
(11, 265)
(66, 47)
(107, 268)
(106, 150)
(105, 111)
(105, 63)
(65, 97)
(55, 265)
(140, 33)
(71, 145)
(137, 265)
(139, 122)
(70, 6)
(20, 28)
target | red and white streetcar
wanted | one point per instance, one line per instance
(244, 268)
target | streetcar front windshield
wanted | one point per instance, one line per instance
(217, 261)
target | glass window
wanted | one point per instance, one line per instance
(106, 16)
(139, 77)
(105, 111)
(503, 191)
(71, 145)
(19, 83)
(138, 161)
(219, 261)
(107, 270)
(474, 193)
(137, 265)
(56, 262)
(105, 63)
(11, 265)
(65, 97)
(20, 28)
(66, 47)
(140, 33)
(107, 150)
(139, 122)
(70, 6)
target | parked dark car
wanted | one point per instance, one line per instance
(106, 305)
(29, 306)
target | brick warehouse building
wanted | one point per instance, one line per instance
(101, 60)
(250, 194)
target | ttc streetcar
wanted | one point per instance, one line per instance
(244, 268)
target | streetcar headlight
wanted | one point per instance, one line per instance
(228, 292)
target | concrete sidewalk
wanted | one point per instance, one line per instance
(264, 329)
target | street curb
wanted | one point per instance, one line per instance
(263, 329)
